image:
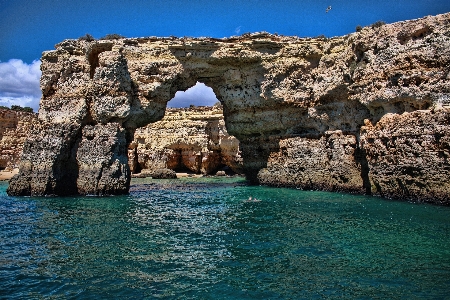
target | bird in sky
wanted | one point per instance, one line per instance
(328, 9)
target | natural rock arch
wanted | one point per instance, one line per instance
(309, 113)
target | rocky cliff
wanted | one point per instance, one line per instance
(14, 128)
(348, 113)
(193, 139)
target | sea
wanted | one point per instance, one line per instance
(201, 238)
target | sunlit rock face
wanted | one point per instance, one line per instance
(192, 139)
(14, 129)
(301, 108)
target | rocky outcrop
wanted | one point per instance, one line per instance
(14, 128)
(309, 113)
(330, 162)
(154, 173)
(102, 154)
(409, 154)
(194, 139)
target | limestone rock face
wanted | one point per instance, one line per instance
(408, 155)
(331, 162)
(102, 160)
(186, 138)
(48, 165)
(309, 113)
(14, 129)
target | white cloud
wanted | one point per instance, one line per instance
(19, 83)
(198, 95)
(238, 30)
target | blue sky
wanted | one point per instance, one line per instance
(28, 27)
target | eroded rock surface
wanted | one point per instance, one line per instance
(309, 113)
(186, 138)
(409, 154)
(14, 129)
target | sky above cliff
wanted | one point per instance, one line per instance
(28, 27)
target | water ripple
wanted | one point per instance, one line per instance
(189, 239)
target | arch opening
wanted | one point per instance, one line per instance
(191, 138)
(197, 95)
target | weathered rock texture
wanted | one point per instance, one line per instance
(308, 113)
(186, 138)
(409, 154)
(14, 128)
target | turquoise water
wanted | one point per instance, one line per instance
(199, 239)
